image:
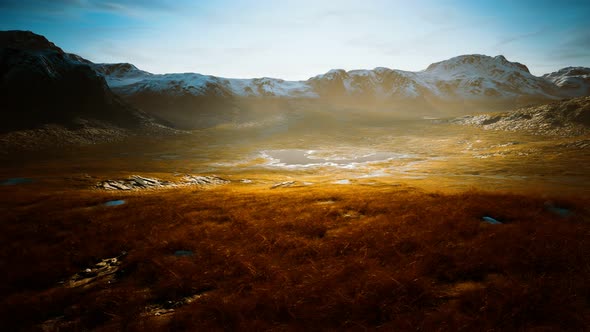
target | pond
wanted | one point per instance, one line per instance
(115, 202)
(15, 181)
(306, 158)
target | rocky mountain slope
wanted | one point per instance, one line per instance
(572, 81)
(462, 84)
(41, 85)
(563, 118)
(463, 77)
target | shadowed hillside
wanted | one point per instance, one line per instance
(40, 84)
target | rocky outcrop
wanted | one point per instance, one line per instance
(564, 118)
(102, 272)
(284, 184)
(203, 180)
(136, 182)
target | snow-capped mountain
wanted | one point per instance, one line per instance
(38, 76)
(572, 81)
(472, 77)
(480, 76)
(127, 79)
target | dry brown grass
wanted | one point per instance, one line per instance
(332, 258)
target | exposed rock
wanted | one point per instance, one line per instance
(325, 202)
(578, 144)
(204, 180)
(351, 214)
(565, 118)
(136, 182)
(169, 307)
(102, 272)
(284, 184)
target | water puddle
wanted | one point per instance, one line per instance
(115, 202)
(562, 212)
(15, 181)
(343, 181)
(183, 253)
(310, 158)
(491, 220)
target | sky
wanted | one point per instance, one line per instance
(296, 40)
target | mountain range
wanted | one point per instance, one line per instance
(457, 86)
(469, 77)
(41, 83)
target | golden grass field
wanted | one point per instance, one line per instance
(403, 250)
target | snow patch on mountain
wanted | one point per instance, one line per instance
(265, 86)
(465, 77)
(573, 81)
(120, 74)
(128, 79)
(475, 75)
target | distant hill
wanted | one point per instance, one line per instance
(459, 85)
(572, 81)
(463, 77)
(563, 118)
(42, 84)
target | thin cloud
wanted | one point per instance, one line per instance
(575, 47)
(63, 6)
(523, 36)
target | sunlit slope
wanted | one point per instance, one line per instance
(460, 85)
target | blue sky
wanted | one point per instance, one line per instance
(299, 39)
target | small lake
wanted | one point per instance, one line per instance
(305, 158)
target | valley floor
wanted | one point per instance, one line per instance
(431, 227)
(236, 257)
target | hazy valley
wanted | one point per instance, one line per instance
(352, 200)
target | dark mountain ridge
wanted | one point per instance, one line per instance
(41, 84)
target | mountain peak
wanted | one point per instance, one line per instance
(477, 62)
(500, 58)
(27, 41)
(116, 68)
(574, 80)
(570, 71)
(331, 74)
